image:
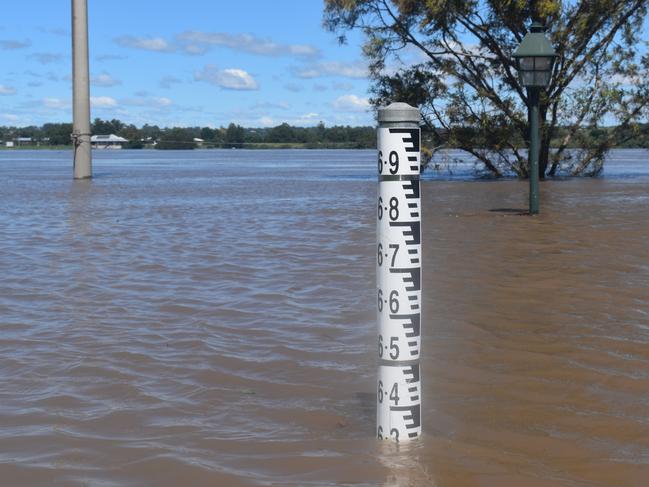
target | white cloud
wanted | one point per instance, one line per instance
(305, 119)
(230, 79)
(168, 81)
(104, 79)
(110, 57)
(7, 90)
(269, 105)
(57, 31)
(356, 70)
(47, 57)
(148, 101)
(50, 102)
(161, 101)
(156, 44)
(195, 49)
(102, 102)
(294, 87)
(342, 86)
(9, 117)
(196, 42)
(50, 76)
(267, 122)
(351, 103)
(624, 80)
(8, 44)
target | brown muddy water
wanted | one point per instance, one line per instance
(207, 319)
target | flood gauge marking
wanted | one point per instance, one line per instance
(398, 270)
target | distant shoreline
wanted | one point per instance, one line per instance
(251, 146)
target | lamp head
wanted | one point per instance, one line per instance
(535, 58)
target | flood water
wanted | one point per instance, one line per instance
(207, 318)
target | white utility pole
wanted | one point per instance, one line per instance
(81, 91)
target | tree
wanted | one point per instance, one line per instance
(234, 135)
(208, 134)
(464, 80)
(282, 133)
(106, 127)
(133, 135)
(176, 138)
(150, 132)
(57, 133)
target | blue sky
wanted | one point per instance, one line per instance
(195, 62)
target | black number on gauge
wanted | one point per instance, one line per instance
(394, 162)
(394, 208)
(394, 394)
(395, 247)
(394, 302)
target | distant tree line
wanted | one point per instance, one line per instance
(319, 136)
(284, 135)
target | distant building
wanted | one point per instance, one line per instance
(199, 142)
(20, 141)
(23, 141)
(111, 141)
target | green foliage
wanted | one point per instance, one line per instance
(281, 133)
(464, 79)
(176, 138)
(209, 134)
(150, 132)
(106, 127)
(48, 134)
(483, 135)
(56, 133)
(234, 135)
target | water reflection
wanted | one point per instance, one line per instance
(80, 194)
(403, 461)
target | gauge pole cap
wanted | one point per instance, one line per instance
(399, 112)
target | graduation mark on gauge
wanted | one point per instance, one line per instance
(411, 416)
(411, 144)
(411, 324)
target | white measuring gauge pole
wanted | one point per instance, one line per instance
(398, 271)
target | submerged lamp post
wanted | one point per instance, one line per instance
(534, 60)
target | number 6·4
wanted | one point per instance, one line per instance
(397, 387)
